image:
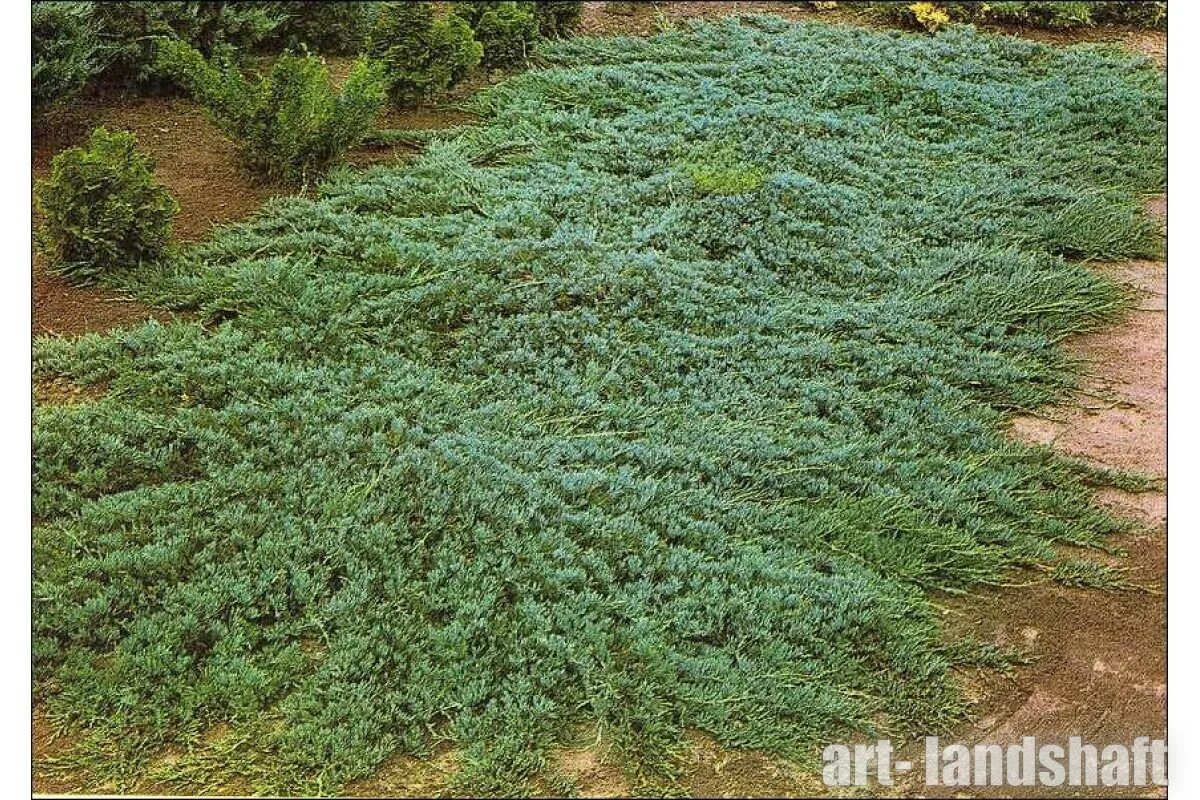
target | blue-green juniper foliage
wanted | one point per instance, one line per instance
(563, 426)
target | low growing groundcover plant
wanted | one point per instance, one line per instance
(564, 427)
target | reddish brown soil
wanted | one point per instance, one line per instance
(195, 162)
(59, 307)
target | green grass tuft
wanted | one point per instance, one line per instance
(1103, 227)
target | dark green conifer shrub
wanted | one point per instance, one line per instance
(66, 51)
(1072, 14)
(290, 124)
(422, 54)
(131, 30)
(334, 27)
(508, 31)
(102, 209)
(1151, 14)
(1127, 12)
(557, 19)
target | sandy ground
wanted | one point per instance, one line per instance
(1099, 663)
(1098, 658)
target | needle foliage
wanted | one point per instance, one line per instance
(658, 401)
(102, 209)
(291, 123)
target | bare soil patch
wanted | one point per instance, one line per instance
(405, 776)
(592, 773)
(61, 308)
(1118, 417)
(716, 771)
(1098, 658)
(49, 743)
(195, 162)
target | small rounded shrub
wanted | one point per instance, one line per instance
(422, 55)
(508, 31)
(290, 125)
(102, 209)
(557, 18)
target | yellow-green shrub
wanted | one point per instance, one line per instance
(291, 124)
(422, 54)
(508, 31)
(102, 209)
